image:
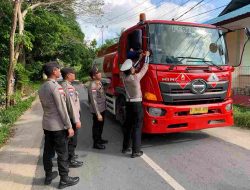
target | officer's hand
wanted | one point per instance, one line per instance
(99, 117)
(78, 125)
(71, 132)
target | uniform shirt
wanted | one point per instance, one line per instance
(72, 101)
(53, 100)
(132, 83)
(97, 98)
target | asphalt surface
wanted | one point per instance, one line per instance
(195, 160)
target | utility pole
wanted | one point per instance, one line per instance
(102, 28)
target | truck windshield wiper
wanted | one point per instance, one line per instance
(212, 63)
(203, 61)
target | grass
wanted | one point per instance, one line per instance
(9, 116)
(241, 116)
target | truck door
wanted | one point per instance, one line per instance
(131, 40)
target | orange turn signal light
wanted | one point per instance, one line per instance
(150, 96)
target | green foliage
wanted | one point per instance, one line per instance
(8, 117)
(5, 24)
(50, 34)
(35, 70)
(57, 36)
(108, 42)
(241, 116)
(25, 39)
(85, 79)
(2, 89)
(22, 74)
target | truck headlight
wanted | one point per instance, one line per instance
(229, 107)
(156, 111)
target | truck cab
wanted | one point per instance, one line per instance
(188, 83)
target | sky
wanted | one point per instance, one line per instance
(120, 14)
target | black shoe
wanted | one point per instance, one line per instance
(102, 141)
(124, 151)
(68, 181)
(75, 156)
(75, 163)
(99, 146)
(50, 177)
(136, 154)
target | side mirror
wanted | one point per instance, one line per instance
(247, 31)
(236, 43)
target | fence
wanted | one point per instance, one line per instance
(241, 81)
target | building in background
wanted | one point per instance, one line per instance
(236, 16)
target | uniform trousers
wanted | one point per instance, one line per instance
(56, 141)
(132, 126)
(97, 128)
(73, 141)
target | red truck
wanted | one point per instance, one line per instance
(188, 83)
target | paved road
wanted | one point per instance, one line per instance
(191, 161)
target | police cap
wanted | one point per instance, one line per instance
(128, 64)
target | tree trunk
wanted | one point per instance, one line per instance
(12, 61)
(21, 50)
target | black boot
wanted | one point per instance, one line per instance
(67, 181)
(49, 177)
(75, 156)
(102, 141)
(126, 150)
(136, 154)
(75, 164)
(99, 146)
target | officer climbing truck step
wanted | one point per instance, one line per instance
(188, 82)
(134, 112)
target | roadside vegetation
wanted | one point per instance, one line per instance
(241, 116)
(9, 116)
(45, 31)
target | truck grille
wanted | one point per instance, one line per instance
(172, 93)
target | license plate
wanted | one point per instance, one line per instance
(199, 110)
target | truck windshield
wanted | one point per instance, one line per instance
(187, 45)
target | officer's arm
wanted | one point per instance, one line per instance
(61, 107)
(73, 112)
(93, 97)
(144, 69)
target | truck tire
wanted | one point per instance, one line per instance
(121, 109)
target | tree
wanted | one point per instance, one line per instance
(10, 77)
(81, 7)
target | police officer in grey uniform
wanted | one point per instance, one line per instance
(73, 105)
(57, 127)
(134, 110)
(97, 102)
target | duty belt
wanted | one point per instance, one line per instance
(134, 100)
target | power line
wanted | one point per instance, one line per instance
(202, 5)
(173, 9)
(189, 9)
(114, 18)
(133, 15)
(205, 12)
(102, 30)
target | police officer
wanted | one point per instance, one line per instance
(57, 127)
(97, 102)
(134, 111)
(73, 105)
